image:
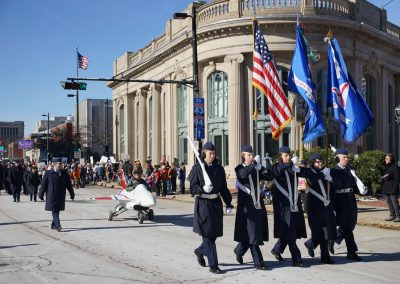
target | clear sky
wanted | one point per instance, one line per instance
(39, 39)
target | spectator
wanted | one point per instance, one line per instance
(391, 186)
(182, 177)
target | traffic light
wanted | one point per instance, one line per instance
(74, 85)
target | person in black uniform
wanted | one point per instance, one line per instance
(16, 179)
(321, 217)
(32, 182)
(2, 174)
(208, 210)
(289, 222)
(391, 179)
(54, 185)
(344, 185)
(251, 223)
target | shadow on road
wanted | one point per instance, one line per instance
(183, 220)
(22, 245)
(48, 220)
(371, 209)
(67, 230)
(369, 257)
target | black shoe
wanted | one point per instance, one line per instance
(330, 247)
(298, 263)
(277, 255)
(15, 200)
(53, 227)
(200, 258)
(18, 200)
(327, 260)
(309, 249)
(239, 259)
(59, 229)
(215, 269)
(353, 256)
(396, 220)
(261, 267)
(389, 219)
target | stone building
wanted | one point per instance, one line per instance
(153, 119)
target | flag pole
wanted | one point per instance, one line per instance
(329, 35)
(255, 114)
(77, 101)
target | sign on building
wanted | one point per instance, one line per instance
(198, 118)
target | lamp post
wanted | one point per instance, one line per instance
(106, 129)
(77, 115)
(48, 135)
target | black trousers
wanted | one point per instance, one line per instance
(280, 247)
(56, 219)
(182, 186)
(393, 205)
(209, 249)
(16, 193)
(242, 248)
(323, 246)
(33, 194)
(348, 236)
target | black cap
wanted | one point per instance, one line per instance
(284, 149)
(137, 172)
(57, 160)
(209, 146)
(316, 156)
(247, 148)
(342, 151)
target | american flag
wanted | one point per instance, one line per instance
(83, 61)
(266, 80)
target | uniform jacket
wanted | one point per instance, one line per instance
(32, 181)
(16, 177)
(391, 181)
(251, 224)
(208, 213)
(54, 185)
(344, 203)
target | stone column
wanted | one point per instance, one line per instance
(235, 117)
(156, 127)
(142, 127)
(382, 112)
(129, 125)
(115, 136)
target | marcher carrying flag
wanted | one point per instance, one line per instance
(349, 105)
(266, 79)
(300, 82)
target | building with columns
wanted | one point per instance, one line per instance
(154, 119)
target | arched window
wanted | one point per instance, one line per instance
(182, 103)
(217, 108)
(263, 142)
(122, 128)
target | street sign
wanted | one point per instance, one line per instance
(77, 155)
(198, 118)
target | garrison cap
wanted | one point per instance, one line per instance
(209, 146)
(342, 151)
(316, 156)
(247, 148)
(284, 149)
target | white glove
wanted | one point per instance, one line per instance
(228, 211)
(295, 168)
(327, 174)
(295, 160)
(207, 188)
(258, 166)
(257, 159)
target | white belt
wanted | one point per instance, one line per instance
(323, 197)
(293, 205)
(344, 190)
(208, 196)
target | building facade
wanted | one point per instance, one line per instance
(95, 125)
(41, 125)
(154, 119)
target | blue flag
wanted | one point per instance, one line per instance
(349, 105)
(300, 82)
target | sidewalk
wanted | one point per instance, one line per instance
(370, 213)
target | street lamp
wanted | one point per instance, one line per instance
(48, 135)
(77, 115)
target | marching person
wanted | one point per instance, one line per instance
(344, 185)
(390, 189)
(289, 222)
(321, 216)
(208, 184)
(32, 182)
(16, 179)
(251, 223)
(54, 185)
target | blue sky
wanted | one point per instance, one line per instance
(39, 40)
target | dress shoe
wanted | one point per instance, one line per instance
(239, 258)
(396, 220)
(298, 263)
(327, 260)
(215, 269)
(277, 255)
(261, 267)
(59, 229)
(330, 247)
(310, 250)
(200, 258)
(353, 256)
(389, 219)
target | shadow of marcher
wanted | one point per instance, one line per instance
(67, 230)
(182, 220)
(371, 209)
(368, 257)
(22, 245)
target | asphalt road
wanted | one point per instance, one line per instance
(92, 249)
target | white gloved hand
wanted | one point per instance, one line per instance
(228, 211)
(326, 171)
(295, 168)
(258, 166)
(257, 159)
(328, 177)
(207, 188)
(295, 160)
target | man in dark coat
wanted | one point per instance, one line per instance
(251, 223)
(321, 216)
(391, 179)
(344, 185)
(32, 182)
(289, 222)
(209, 186)
(16, 179)
(2, 174)
(54, 184)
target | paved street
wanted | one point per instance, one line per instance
(90, 248)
